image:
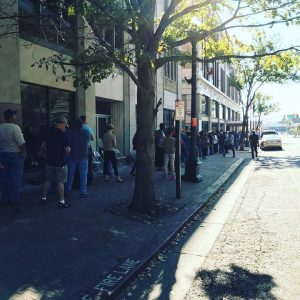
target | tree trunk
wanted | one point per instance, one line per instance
(144, 193)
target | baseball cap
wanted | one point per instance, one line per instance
(62, 120)
(9, 113)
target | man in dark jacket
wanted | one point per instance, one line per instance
(253, 139)
(57, 148)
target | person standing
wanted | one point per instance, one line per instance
(12, 155)
(169, 144)
(203, 143)
(254, 143)
(57, 148)
(109, 146)
(215, 143)
(229, 144)
(221, 141)
(87, 128)
(159, 149)
(78, 139)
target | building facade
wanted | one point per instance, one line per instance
(218, 103)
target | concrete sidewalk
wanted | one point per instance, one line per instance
(92, 249)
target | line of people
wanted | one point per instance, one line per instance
(207, 144)
(64, 152)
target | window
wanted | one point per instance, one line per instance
(213, 109)
(204, 105)
(168, 117)
(114, 37)
(47, 20)
(40, 106)
(221, 112)
(216, 75)
(222, 80)
(170, 70)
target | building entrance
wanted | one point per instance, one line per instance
(101, 121)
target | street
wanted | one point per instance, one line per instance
(246, 245)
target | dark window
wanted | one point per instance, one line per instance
(204, 104)
(40, 105)
(114, 37)
(217, 110)
(222, 80)
(168, 118)
(170, 70)
(216, 74)
(205, 126)
(47, 21)
(213, 109)
(228, 114)
(227, 86)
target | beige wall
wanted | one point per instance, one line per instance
(10, 72)
(32, 53)
(9, 61)
(110, 88)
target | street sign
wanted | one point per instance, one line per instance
(179, 110)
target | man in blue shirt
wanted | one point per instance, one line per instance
(90, 158)
(78, 157)
(86, 127)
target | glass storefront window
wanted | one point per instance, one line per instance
(40, 106)
(59, 104)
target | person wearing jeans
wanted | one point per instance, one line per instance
(12, 156)
(12, 173)
(169, 143)
(78, 157)
(109, 146)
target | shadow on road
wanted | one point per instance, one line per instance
(238, 283)
(278, 162)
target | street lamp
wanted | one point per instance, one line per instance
(192, 165)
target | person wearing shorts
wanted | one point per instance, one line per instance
(56, 148)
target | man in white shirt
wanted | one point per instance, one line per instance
(12, 155)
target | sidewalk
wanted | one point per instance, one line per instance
(95, 246)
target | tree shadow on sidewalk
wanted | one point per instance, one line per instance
(238, 283)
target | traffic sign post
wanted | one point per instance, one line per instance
(179, 110)
(179, 116)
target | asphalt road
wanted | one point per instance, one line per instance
(246, 245)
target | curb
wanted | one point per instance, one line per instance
(112, 284)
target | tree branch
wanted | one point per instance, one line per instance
(158, 104)
(185, 58)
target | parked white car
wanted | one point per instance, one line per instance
(270, 139)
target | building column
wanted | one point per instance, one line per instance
(199, 113)
(127, 117)
(209, 114)
(10, 62)
(219, 122)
